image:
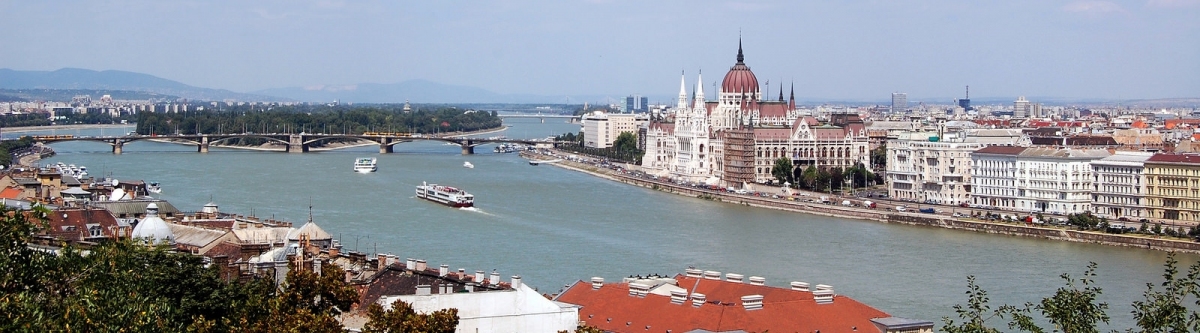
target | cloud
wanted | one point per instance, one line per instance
(1093, 7)
(1173, 3)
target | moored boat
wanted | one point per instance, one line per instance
(445, 195)
(153, 187)
(365, 165)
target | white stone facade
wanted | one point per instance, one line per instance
(519, 310)
(1120, 185)
(923, 170)
(601, 129)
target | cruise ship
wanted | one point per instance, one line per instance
(365, 165)
(445, 195)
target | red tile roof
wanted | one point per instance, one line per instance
(1175, 158)
(772, 109)
(611, 308)
(11, 193)
(72, 224)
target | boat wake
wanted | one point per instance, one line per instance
(476, 210)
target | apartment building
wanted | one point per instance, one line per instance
(600, 129)
(1173, 187)
(1041, 179)
(923, 168)
(1119, 187)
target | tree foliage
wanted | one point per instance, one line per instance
(402, 318)
(122, 286)
(1074, 308)
(316, 119)
(783, 170)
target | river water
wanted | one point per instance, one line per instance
(554, 226)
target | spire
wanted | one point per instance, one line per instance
(699, 90)
(682, 91)
(792, 98)
(781, 90)
(740, 56)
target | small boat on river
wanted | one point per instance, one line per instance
(365, 165)
(468, 165)
(445, 195)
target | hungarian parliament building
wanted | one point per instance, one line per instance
(735, 140)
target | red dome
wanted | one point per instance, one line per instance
(740, 78)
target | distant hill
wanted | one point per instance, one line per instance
(419, 91)
(85, 79)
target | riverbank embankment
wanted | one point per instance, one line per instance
(887, 216)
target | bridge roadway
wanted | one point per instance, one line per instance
(296, 143)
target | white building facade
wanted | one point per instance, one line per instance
(601, 129)
(1034, 180)
(922, 167)
(520, 309)
(1120, 185)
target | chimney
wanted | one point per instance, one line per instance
(597, 282)
(757, 280)
(382, 261)
(823, 296)
(462, 273)
(799, 286)
(334, 251)
(697, 299)
(317, 266)
(824, 287)
(423, 290)
(694, 273)
(495, 279)
(393, 259)
(752, 302)
(638, 289)
(421, 265)
(516, 282)
(678, 297)
(479, 277)
(712, 275)
(410, 263)
(443, 270)
(733, 277)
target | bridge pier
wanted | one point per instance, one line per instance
(203, 146)
(296, 144)
(468, 149)
(385, 146)
(117, 146)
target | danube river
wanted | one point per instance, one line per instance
(553, 226)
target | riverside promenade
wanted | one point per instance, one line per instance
(885, 215)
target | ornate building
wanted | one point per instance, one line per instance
(690, 145)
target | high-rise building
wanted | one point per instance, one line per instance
(1020, 108)
(635, 103)
(965, 102)
(899, 102)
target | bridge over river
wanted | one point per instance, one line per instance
(295, 143)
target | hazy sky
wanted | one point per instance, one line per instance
(853, 49)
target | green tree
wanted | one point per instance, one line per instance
(626, 141)
(810, 177)
(402, 318)
(879, 157)
(1166, 310)
(975, 315)
(1071, 309)
(782, 170)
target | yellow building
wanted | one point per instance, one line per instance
(1173, 188)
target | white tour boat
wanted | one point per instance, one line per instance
(445, 195)
(153, 187)
(468, 165)
(365, 165)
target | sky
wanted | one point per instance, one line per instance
(850, 49)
